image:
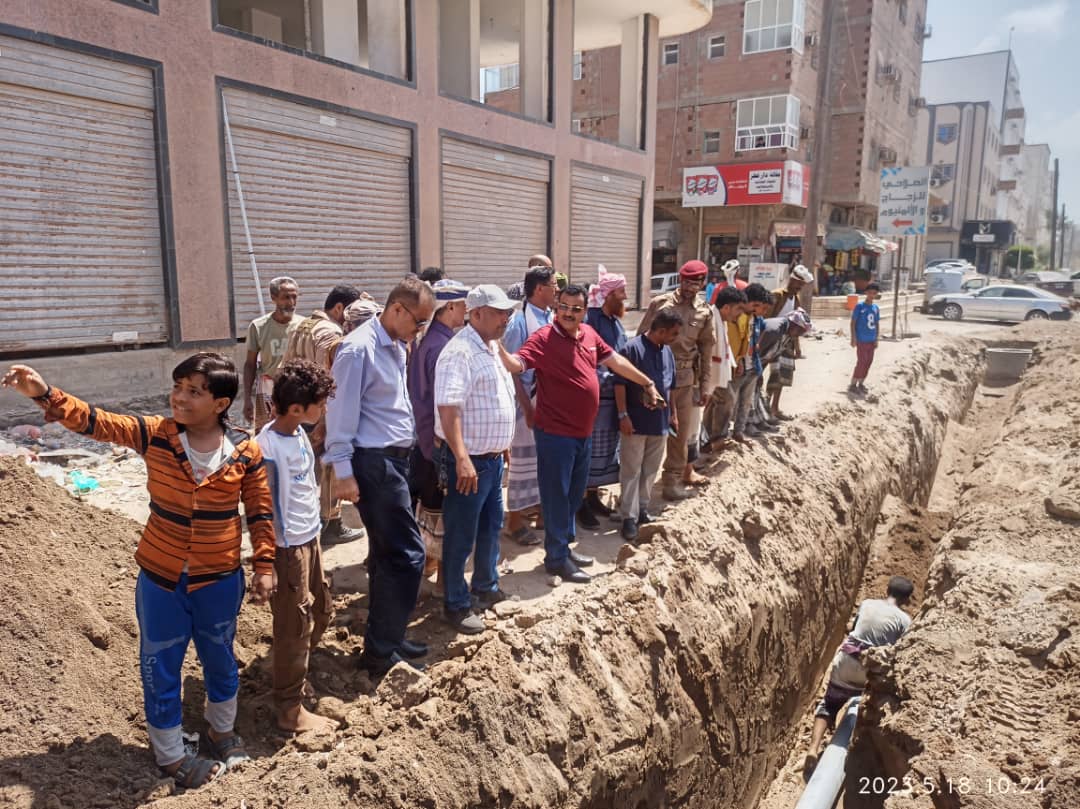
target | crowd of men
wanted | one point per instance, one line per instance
(420, 411)
(446, 396)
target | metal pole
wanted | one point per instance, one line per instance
(1061, 241)
(896, 299)
(1053, 219)
(824, 785)
(700, 234)
(819, 165)
(243, 207)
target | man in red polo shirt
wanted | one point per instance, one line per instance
(565, 355)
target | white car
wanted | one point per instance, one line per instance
(664, 282)
(1009, 302)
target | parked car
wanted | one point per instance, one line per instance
(1010, 302)
(664, 282)
(942, 262)
(1049, 280)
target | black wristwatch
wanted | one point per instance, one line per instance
(44, 398)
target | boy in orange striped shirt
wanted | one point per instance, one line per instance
(190, 583)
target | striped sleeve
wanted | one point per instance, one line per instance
(101, 425)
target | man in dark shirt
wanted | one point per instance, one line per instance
(565, 355)
(644, 429)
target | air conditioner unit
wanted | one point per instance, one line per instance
(888, 73)
(935, 182)
(804, 133)
(928, 32)
(920, 103)
(811, 40)
(887, 155)
(937, 219)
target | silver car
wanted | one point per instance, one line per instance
(1010, 302)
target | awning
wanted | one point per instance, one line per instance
(848, 238)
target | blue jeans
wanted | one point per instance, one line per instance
(396, 548)
(471, 520)
(562, 467)
(168, 621)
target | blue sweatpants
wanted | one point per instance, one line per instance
(168, 621)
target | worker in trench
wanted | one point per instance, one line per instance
(878, 622)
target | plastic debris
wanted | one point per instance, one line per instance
(82, 481)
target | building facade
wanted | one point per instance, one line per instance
(992, 78)
(738, 106)
(962, 146)
(1037, 186)
(167, 154)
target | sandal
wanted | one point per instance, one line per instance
(524, 536)
(195, 772)
(229, 749)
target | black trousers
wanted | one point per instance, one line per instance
(396, 549)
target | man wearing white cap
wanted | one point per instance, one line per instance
(474, 426)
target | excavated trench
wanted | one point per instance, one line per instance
(682, 679)
(907, 542)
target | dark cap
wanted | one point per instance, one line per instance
(874, 286)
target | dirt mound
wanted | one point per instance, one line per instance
(68, 634)
(674, 680)
(981, 706)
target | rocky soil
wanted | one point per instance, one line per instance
(674, 680)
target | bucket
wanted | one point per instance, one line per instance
(852, 302)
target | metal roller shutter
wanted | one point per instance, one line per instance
(495, 212)
(605, 226)
(327, 200)
(79, 210)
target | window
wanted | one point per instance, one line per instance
(575, 125)
(1020, 293)
(771, 122)
(770, 25)
(499, 78)
(946, 133)
(712, 142)
(942, 173)
(717, 46)
(671, 53)
(991, 292)
(901, 9)
(577, 66)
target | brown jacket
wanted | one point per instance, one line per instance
(694, 347)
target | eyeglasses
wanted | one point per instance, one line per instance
(419, 323)
(565, 307)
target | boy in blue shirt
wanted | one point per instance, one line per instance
(644, 429)
(865, 323)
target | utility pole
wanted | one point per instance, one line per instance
(1053, 219)
(1061, 241)
(819, 166)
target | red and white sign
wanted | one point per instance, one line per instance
(746, 184)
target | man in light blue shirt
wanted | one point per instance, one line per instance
(370, 433)
(523, 486)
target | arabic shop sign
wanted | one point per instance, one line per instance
(994, 233)
(902, 202)
(773, 183)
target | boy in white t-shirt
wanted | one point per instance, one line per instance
(301, 600)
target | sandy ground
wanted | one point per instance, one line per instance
(676, 679)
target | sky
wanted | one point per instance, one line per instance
(1045, 41)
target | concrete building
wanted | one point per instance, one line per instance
(962, 147)
(1037, 186)
(737, 104)
(158, 153)
(992, 78)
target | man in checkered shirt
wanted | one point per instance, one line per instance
(474, 425)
